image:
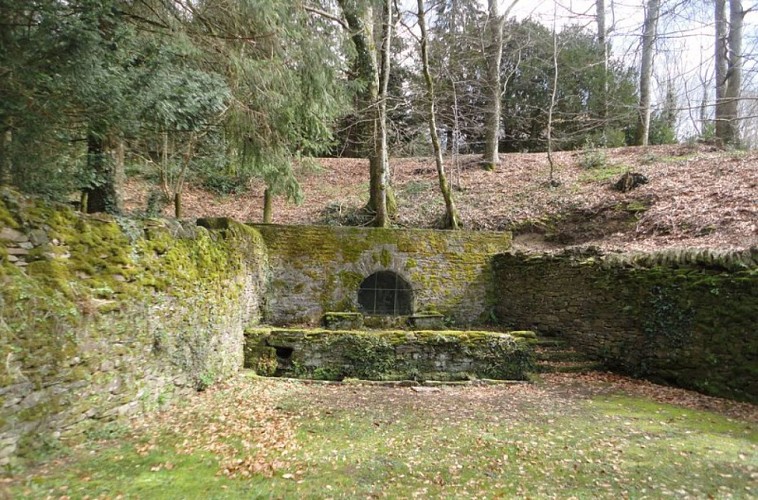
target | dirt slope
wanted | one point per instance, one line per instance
(696, 196)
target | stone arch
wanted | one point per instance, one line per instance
(385, 293)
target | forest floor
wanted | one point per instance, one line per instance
(696, 196)
(592, 435)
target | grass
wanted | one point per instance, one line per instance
(603, 173)
(538, 440)
(413, 188)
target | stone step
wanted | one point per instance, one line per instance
(548, 342)
(555, 355)
(567, 366)
(558, 355)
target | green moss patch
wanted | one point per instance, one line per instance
(684, 317)
(275, 438)
(109, 316)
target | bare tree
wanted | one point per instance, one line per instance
(720, 58)
(728, 70)
(649, 35)
(359, 19)
(494, 53)
(451, 216)
(602, 33)
(551, 180)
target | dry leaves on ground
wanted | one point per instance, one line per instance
(237, 421)
(696, 196)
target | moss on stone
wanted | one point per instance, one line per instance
(683, 317)
(6, 218)
(103, 296)
(447, 270)
(399, 354)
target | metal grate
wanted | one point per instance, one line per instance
(385, 293)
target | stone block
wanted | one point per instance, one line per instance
(17, 251)
(38, 237)
(343, 321)
(427, 321)
(10, 234)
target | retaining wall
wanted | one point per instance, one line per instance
(688, 318)
(316, 269)
(103, 317)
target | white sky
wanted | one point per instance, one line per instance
(684, 50)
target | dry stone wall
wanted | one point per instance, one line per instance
(688, 318)
(389, 355)
(102, 317)
(317, 269)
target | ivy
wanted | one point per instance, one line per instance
(668, 323)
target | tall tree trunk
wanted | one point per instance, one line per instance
(551, 180)
(494, 53)
(267, 206)
(649, 35)
(382, 217)
(731, 116)
(720, 57)
(6, 165)
(105, 159)
(492, 110)
(451, 215)
(603, 43)
(178, 212)
(359, 19)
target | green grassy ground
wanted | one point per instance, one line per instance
(565, 437)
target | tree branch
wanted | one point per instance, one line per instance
(323, 13)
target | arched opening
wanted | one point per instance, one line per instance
(385, 293)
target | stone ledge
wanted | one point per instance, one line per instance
(342, 320)
(427, 321)
(388, 355)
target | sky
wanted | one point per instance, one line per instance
(684, 50)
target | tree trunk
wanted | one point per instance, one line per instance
(551, 109)
(649, 35)
(359, 19)
(721, 56)
(449, 138)
(382, 216)
(267, 206)
(5, 157)
(731, 117)
(105, 159)
(603, 43)
(494, 53)
(492, 110)
(451, 215)
(178, 205)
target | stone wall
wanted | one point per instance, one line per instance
(389, 355)
(315, 269)
(104, 317)
(687, 318)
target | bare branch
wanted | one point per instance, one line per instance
(327, 15)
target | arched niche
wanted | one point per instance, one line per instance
(385, 293)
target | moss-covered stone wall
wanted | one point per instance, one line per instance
(103, 317)
(688, 318)
(389, 355)
(315, 269)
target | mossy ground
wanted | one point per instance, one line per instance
(554, 439)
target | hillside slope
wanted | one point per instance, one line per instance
(696, 197)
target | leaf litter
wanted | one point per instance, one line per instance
(697, 196)
(567, 435)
